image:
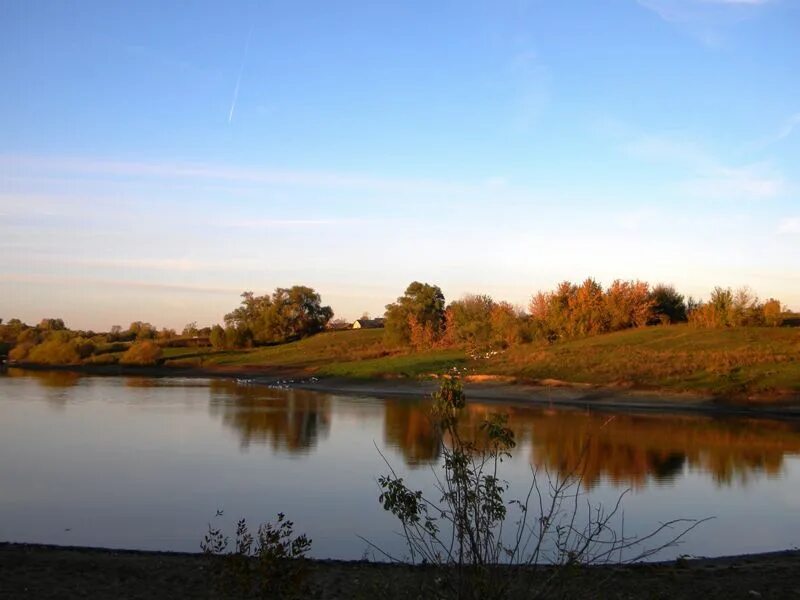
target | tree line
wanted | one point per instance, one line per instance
(419, 319)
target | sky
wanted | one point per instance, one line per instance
(159, 158)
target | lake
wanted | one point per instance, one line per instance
(147, 463)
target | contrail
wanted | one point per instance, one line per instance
(239, 78)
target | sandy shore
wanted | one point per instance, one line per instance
(49, 572)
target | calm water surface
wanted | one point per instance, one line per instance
(147, 463)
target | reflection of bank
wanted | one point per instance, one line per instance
(292, 421)
(47, 378)
(629, 449)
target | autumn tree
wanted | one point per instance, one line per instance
(772, 312)
(52, 325)
(551, 311)
(140, 330)
(509, 325)
(587, 314)
(417, 317)
(628, 304)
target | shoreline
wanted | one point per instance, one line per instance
(47, 571)
(482, 388)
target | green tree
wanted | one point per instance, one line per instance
(418, 313)
(217, 337)
(289, 313)
(469, 321)
(668, 305)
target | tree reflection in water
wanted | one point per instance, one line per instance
(48, 379)
(289, 420)
(635, 450)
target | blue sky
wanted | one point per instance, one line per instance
(157, 159)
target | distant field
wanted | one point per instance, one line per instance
(675, 357)
(350, 353)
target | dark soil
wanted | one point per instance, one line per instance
(34, 571)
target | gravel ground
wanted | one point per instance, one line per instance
(33, 571)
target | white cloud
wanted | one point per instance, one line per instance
(16, 165)
(122, 283)
(788, 127)
(750, 2)
(706, 20)
(706, 175)
(751, 182)
(789, 225)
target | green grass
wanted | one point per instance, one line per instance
(350, 353)
(405, 365)
(676, 357)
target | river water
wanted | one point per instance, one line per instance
(145, 463)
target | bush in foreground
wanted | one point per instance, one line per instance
(472, 534)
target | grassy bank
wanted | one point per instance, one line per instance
(727, 362)
(760, 362)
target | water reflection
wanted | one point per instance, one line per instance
(48, 379)
(288, 420)
(408, 427)
(627, 449)
(633, 450)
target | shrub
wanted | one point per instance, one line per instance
(460, 528)
(269, 564)
(55, 352)
(142, 353)
(20, 352)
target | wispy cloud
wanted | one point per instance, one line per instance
(707, 176)
(706, 10)
(789, 225)
(751, 2)
(170, 264)
(120, 283)
(706, 20)
(286, 223)
(784, 132)
(239, 78)
(17, 165)
(751, 182)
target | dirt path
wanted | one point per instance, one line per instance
(32, 571)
